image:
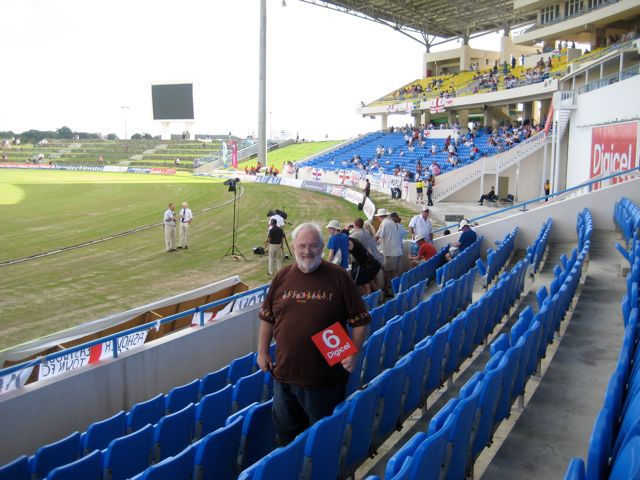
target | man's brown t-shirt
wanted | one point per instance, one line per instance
(301, 305)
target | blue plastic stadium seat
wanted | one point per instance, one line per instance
(361, 407)
(323, 446)
(355, 377)
(99, 434)
(240, 367)
(180, 397)
(217, 454)
(212, 411)
(454, 345)
(214, 381)
(600, 445)
(373, 356)
(406, 451)
(177, 467)
(174, 432)
(575, 471)
(85, 468)
(284, 463)
(17, 469)
(415, 380)
(390, 309)
(258, 434)
(438, 344)
(56, 454)
(129, 455)
(627, 464)
(407, 332)
(247, 390)
(391, 344)
(143, 413)
(389, 402)
(377, 319)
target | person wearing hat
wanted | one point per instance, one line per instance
(426, 250)
(467, 237)
(338, 245)
(421, 225)
(390, 241)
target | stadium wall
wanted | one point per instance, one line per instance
(597, 112)
(47, 411)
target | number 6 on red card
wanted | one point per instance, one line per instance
(334, 344)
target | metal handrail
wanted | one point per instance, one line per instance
(114, 337)
(523, 205)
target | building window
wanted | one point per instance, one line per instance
(573, 7)
(596, 3)
(549, 14)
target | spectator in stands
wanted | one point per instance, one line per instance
(490, 196)
(420, 225)
(426, 250)
(419, 191)
(338, 245)
(275, 236)
(467, 237)
(547, 190)
(434, 169)
(395, 216)
(186, 216)
(169, 225)
(390, 241)
(364, 266)
(430, 191)
(306, 388)
(434, 149)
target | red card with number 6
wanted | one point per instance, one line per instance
(334, 344)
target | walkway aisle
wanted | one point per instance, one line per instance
(556, 424)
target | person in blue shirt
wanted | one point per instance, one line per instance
(338, 245)
(467, 237)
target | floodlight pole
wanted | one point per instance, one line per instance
(262, 88)
(125, 108)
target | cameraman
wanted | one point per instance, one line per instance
(275, 237)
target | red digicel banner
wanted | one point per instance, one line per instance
(334, 344)
(162, 171)
(613, 148)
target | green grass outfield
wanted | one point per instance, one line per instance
(45, 210)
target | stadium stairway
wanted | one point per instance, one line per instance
(556, 423)
(420, 420)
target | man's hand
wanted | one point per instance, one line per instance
(264, 362)
(349, 363)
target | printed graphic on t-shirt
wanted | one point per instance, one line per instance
(303, 296)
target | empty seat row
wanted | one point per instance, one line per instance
(614, 447)
(462, 428)
(497, 259)
(459, 264)
(536, 251)
(423, 271)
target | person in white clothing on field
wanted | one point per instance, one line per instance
(185, 221)
(421, 225)
(170, 228)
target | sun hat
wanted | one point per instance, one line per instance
(418, 237)
(463, 223)
(333, 224)
(382, 212)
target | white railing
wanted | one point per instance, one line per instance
(451, 182)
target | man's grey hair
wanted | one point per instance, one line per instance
(307, 226)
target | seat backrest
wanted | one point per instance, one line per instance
(322, 450)
(212, 411)
(575, 470)
(406, 451)
(240, 367)
(174, 432)
(460, 435)
(217, 454)
(389, 402)
(415, 379)
(129, 455)
(408, 330)
(214, 381)
(391, 344)
(240, 413)
(99, 434)
(17, 469)
(372, 356)
(258, 434)
(600, 445)
(180, 397)
(487, 404)
(358, 427)
(248, 390)
(284, 463)
(143, 413)
(627, 464)
(88, 467)
(428, 458)
(56, 454)
(176, 467)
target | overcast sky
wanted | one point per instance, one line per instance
(76, 62)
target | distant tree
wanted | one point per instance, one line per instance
(88, 136)
(64, 132)
(147, 136)
(112, 136)
(136, 136)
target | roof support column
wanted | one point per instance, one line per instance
(465, 54)
(506, 46)
(384, 119)
(262, 87)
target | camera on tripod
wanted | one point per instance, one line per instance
(231, 183)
